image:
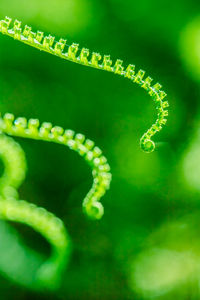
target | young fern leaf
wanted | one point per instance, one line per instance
(51, 227)
(13, 157)
(31, 129)
(95, 60)
(45, 223)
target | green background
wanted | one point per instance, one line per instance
(147, 245)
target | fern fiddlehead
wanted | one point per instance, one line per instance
(15, 210)
(72, 53)
(45, 223)
(77, 142)
(51, 227)
(39, 219)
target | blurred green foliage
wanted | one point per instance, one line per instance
(146, 246)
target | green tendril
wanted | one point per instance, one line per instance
(47, 224)
(95, 60)
(11, 208)
(86, 148)
(51, 227)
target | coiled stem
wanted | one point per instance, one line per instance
(12, 155)
(95, 60)
(86, 148)
(12, 209)
(48, 225)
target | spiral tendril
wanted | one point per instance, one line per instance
(51, 227)
(42, 221)
(95, 60)
(86, 148)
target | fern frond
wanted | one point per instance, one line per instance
(51, 228)
(94, 60)
(84, 147)
(12, 209)
(48, 225)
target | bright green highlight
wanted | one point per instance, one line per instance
(96, 60)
